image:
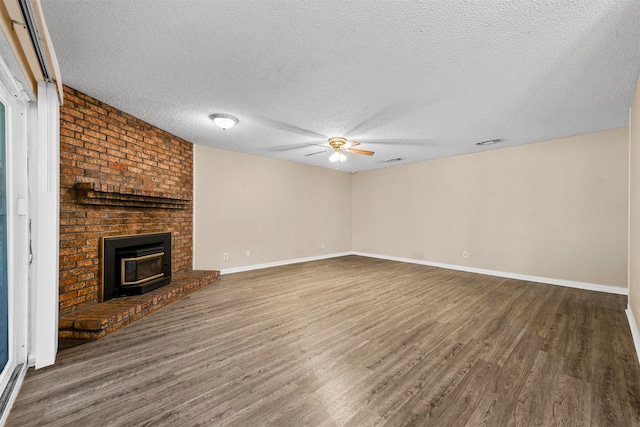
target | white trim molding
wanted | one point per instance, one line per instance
(45, 222)
(635, 334)
(525, 277)
(281, 263)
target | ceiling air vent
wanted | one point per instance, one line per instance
(397, 159)
(489, 141)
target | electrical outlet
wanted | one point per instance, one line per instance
(248, 252)
(322, 246)
(465, 254)
(225, 256)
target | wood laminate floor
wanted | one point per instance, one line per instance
(353, 341)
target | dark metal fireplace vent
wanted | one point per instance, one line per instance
(133, 265)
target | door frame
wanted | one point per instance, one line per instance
(16, 102)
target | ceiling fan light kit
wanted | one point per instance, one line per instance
(340, 145)
(224, 121)
(337, 143)
(338, 156)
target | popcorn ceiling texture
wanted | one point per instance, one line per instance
(128, 160)
(417, 80)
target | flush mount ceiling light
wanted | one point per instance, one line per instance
(223, 121)
(489, 141)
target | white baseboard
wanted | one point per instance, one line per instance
(524, 277)
(538, 279)
(281, 263)
(634, 331)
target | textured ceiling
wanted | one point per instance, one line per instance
(416, 80)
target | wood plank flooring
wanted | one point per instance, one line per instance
(353, 341)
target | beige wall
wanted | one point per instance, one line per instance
(634, 208)
(278, 210)
(554, 209)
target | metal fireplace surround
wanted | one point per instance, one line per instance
(135, 264)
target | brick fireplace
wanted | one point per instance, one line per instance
(118, 176)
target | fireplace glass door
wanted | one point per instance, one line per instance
(142, 267)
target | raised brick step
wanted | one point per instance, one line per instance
(98, 320)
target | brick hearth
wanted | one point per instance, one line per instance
(98, 320)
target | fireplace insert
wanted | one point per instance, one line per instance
(135, 264)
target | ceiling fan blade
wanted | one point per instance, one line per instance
(318, 152)
(403, 142)
(365, 152)
(288, 147)
(276, 124)
(396, 111)
(351, 144)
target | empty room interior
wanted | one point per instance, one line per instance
(319, 213)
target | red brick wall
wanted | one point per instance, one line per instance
(101, 144)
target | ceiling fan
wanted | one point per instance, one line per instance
(340, 146)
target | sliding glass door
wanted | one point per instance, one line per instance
(4, 277)
(14, 236)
